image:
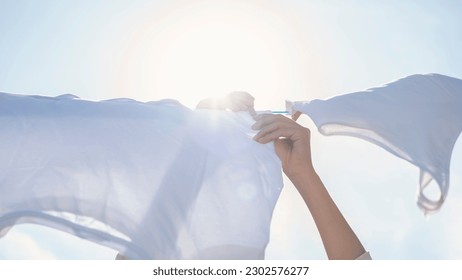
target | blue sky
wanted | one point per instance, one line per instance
(276, 50)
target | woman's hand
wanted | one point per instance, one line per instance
(292, 144)
(291, 140)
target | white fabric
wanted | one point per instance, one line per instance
(417, 118)
(152, 180)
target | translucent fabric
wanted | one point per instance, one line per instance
(417, 118)
(152, 180)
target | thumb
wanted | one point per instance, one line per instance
(282, 147)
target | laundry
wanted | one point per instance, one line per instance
(157, 180)
(417, 118)
(151, 180)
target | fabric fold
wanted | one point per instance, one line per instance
(152, 180)
(417, 118)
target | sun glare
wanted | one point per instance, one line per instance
(197, 52)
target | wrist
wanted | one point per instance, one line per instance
(303, 176)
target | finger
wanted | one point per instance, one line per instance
(267, 129)
(274, 135)
(282, 145)
(296, 115)
(280, 128)
(266, 119)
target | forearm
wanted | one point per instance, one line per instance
(292, 145)
(340, 242)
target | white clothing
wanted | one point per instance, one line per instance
(152, 180)
(156, 180)
(417, 118)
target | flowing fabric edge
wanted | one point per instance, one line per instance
(7, 221)
(427, 205)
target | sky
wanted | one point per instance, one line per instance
(275, 50)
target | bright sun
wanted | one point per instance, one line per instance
(196, 51)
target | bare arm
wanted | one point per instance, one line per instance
(292, 143)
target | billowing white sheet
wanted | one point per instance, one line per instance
(417, 118)
(153, 180)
